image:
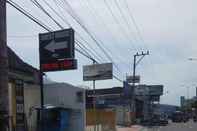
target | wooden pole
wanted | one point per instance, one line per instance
(4, 100)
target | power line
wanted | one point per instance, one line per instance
(87, 50)
(40, 23)
(37, 4)
(66, 22)
(100, 20)
(123, 17)
(20, 9)
(119, 24)
(77, 19)
(132, 18)
(42, 9)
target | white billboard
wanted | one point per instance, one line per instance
(98, 72)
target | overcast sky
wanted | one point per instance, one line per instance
(168, 28)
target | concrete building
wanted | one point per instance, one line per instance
(117, 98)
(110, 98)
(69, 97)
(146, 97)
(24, 96)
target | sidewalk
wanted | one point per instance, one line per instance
(132, 128)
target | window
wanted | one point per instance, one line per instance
(79, 95)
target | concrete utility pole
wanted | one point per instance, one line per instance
(4, 102)
(135, 63)
(94, 101)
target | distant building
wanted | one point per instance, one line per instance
(110, 98)
(187, 103)
(105, 98)
(165, 109)
(70, 97)
(146, 97)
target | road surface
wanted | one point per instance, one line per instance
(189, 126)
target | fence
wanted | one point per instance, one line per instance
(100, 120)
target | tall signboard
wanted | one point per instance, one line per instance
(57, 50)
(98, 72)
(20, 118)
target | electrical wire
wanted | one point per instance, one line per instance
(37, 4)
(72, 13)
(121, 27)
(78, 34)
(20, 9)
(93, 12)
(133, 20)
(40, 23)
(125, 19)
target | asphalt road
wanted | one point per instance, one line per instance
(189, 126)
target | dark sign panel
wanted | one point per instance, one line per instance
(58, 65)
(20, 119)
(57, 50)
(56, 45)
(131, 79)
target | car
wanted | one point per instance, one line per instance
(163, 121)
(159, 120)
(177, 116)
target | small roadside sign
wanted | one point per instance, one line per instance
(131, 79)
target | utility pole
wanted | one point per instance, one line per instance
(94, 101)
(4, 100)
(135, 63)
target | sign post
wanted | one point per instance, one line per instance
(97, 72)
(56, 51)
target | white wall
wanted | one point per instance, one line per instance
(31, 99)
(64, 95)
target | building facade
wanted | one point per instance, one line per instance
(24, 92)
(69, 97)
